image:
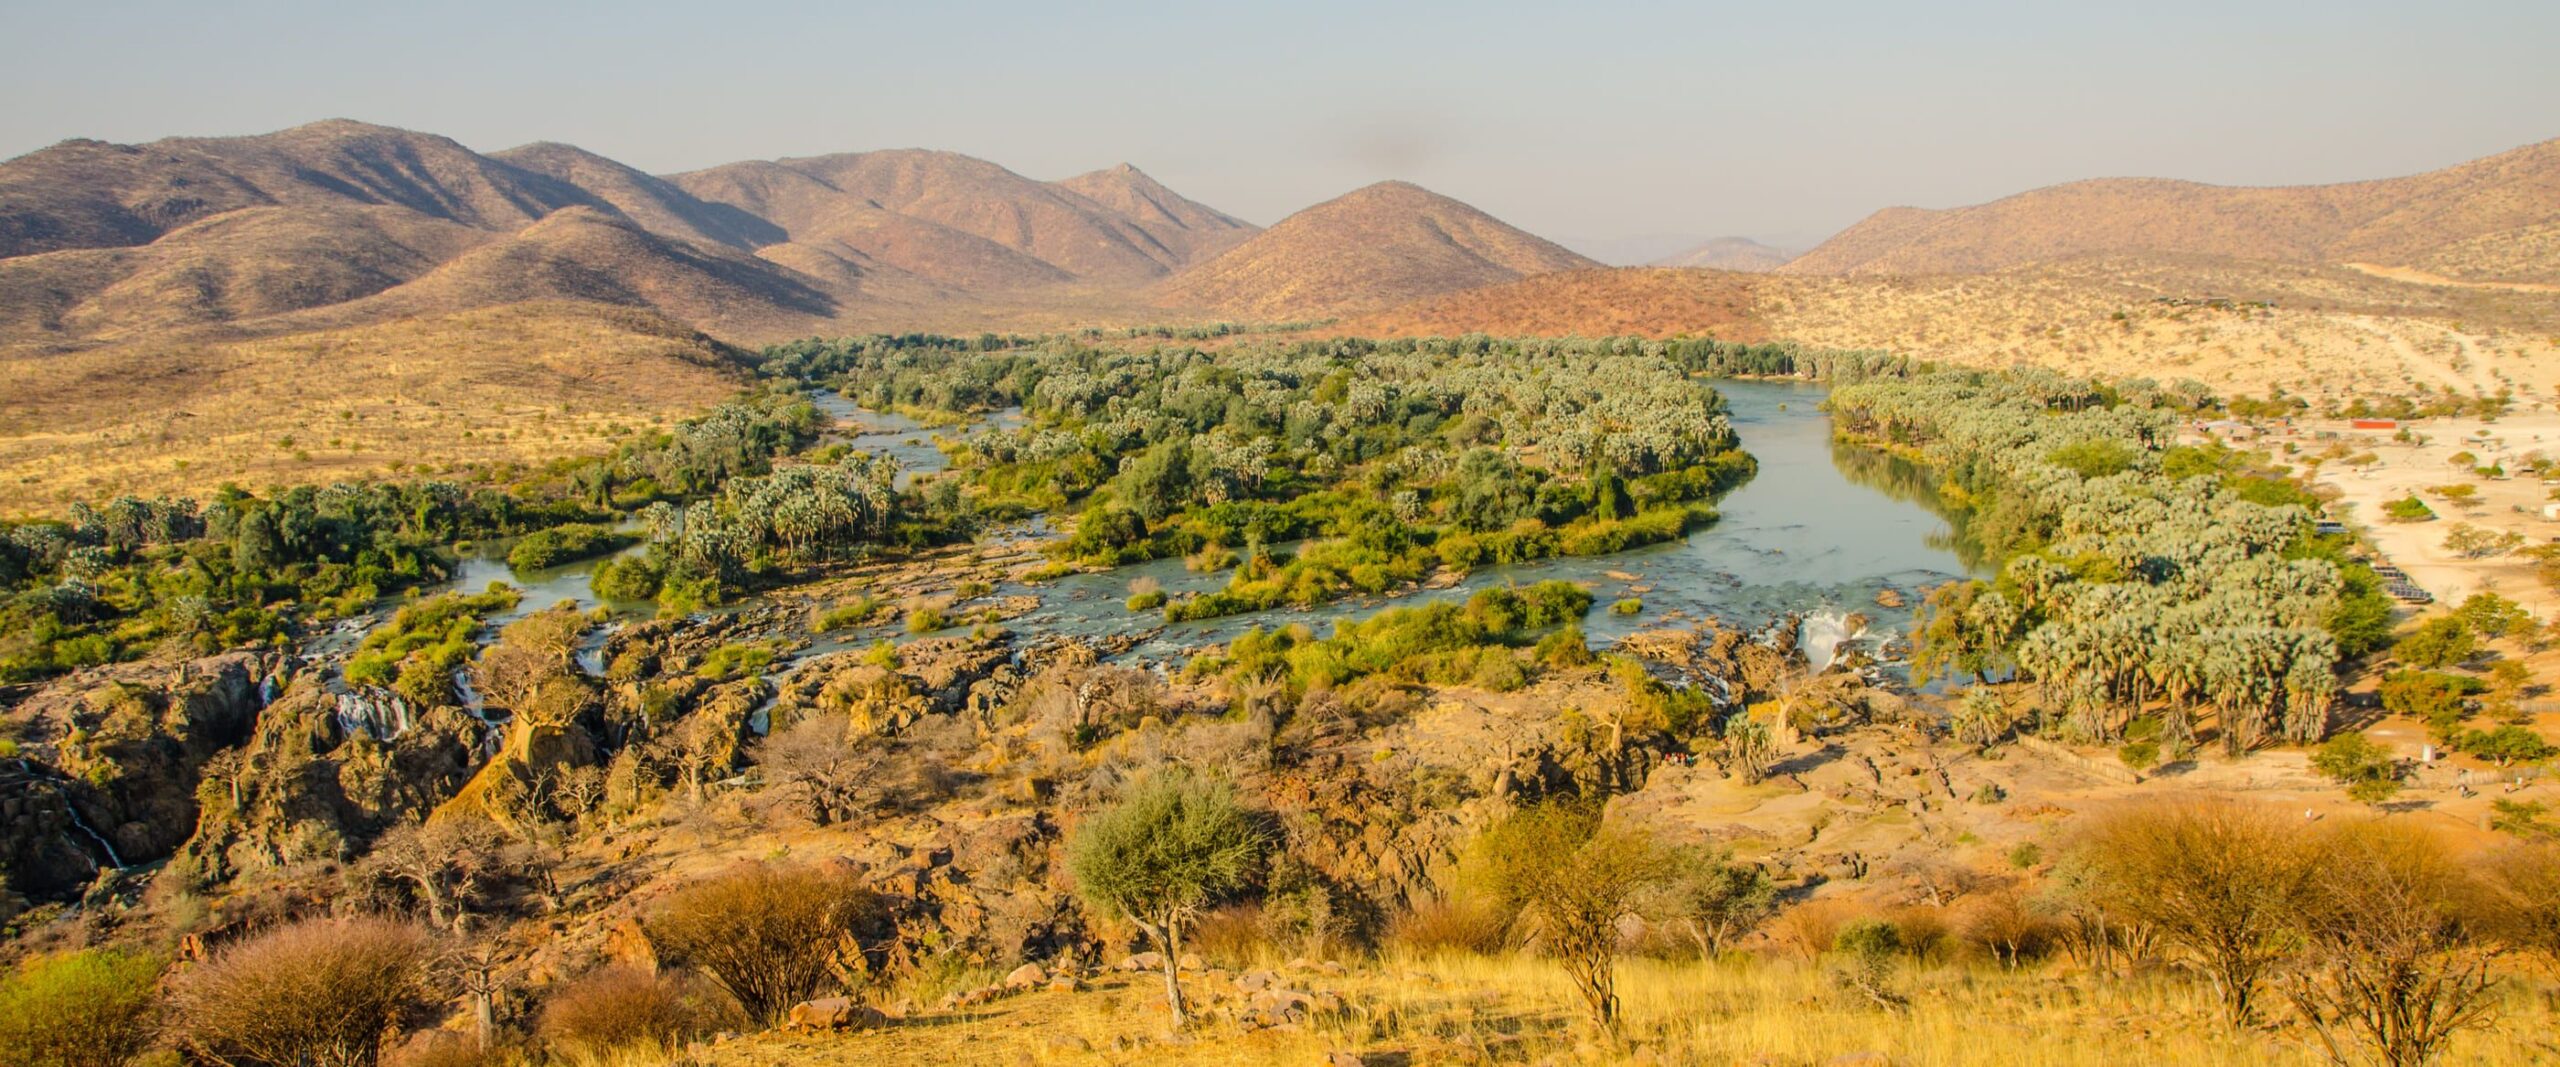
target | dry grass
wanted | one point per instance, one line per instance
(1515, 1009)
(425, 395)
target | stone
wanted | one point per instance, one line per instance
(1144, 961)
(1191, 962)
(1255, 981)
(1344, 1059)
(1027, 976)
(835, 1013)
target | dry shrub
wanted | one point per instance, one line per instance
(2519, 899)
(1440, 925)
(442, 1048)
(1923, 931)
(621, 1005)
(80, 1009)
(320, 992)
(771, 935)
(1809, 929)
(2003, 927)
(1232, 936)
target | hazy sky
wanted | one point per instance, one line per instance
(1598, 120)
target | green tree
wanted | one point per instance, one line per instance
(2439, 642)
(1713, 898)
(1172, 845)
(2369, 771)
(1565, 879)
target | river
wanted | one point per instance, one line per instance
(1818, 533)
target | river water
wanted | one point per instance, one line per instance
(1818, 533)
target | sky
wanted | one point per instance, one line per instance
(1609, 124)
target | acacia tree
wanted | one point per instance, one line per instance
(2385, 964)
(1714, 898)
(1565, 879)
(1169, 847)
(2215, 879)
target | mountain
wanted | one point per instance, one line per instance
(2493, 217)
(968, 222)
(337, 223)
(584, 254)
(1730, 253)
(648, 200)
(1374, 247)
(90, 194)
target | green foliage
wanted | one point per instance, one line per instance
(2437, 699)
(1439, 641)
(1628, 606)
(2494, 616)
(2127, 585)
(2443, 641)
(2408, 509)
(2506, 745)
(93, 1008)
(417, 652)
(564, 544)
(732, 661)
(2370, 773)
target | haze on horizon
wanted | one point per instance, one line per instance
(1618, 124)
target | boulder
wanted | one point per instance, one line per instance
(835, 1013)
(1144, 961)
(1256, 981)
(1027, 976)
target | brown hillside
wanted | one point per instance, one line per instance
(534, 381)
(1191, 231)
(839, 198)
(1730, 253)
(2398, 221)
(88, 194)
(1375, 247)
(1627, 301)
(238, 265)
(582, 254)
(653, 202)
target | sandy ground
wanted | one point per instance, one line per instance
(2512, 505)
(2415, 276)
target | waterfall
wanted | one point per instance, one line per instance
(77, 822)
(1820, 635)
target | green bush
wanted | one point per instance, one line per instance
(565, 544)
(83, 1009)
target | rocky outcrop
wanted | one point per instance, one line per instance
(109, 764)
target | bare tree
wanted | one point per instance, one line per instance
(817, 756)
(2385, 974)
(2218, 881)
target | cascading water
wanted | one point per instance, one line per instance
(73, 810)
(1821, 633)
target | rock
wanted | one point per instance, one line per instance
(835, 1013)
(1255, 981)
(1027, 976)
(1344, 1059)
(1064, 1043)
(1066, 983)
(1888, 598)
(1144, 961)
(1191, 962)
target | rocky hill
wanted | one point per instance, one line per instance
(2486, 220)
(1373, 248)
(1730, 253)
